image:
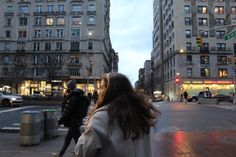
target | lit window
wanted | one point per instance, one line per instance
(49, 21)
(219, 9)
(202, 9)
(202, 22)
(60, 21)
(222, 72)
(205, 72)
(233, 10)
(204, 59)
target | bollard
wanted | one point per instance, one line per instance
(50, 123)
(30, 128)
(42, 133)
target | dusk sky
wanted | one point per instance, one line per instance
(131, 34)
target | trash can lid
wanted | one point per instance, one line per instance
(27, 112)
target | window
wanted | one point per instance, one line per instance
(204, 59)
(91, 7)
(60, 21)
(8, 21)
(22, 34)
(74, 46)
(35, 59)
(5, 60)
(36, 46)
(90, 45)
(76, 8)
(204, 34)
(7, 46)
(222, 73)
(75, 33)
(219, 22)
(233, 10)
(189, 72)
(74, 59)
(23, 21)
(189, 58)
(48, 33)
(58, 45)
(50, 8)
(21, 46)
(60, 33)
(74, 72)
(9, 9)
(205, 72)
(61, 8)
(38, 20)
(37, 33)
(202, 9)
(220, 34)
(91, 20)
(47, 46)
(188, 46)
(219, 10)
(188, 33)
(202, 22)
(23, 9)
(221, 46)
(222, 60)
(39, 8)
(49, 21)
(76, 21)
(187, 9)
(187, 21)
(58, 58)
(8, 33)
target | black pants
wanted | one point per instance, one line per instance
(72, 133)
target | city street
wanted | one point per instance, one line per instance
(190, 129)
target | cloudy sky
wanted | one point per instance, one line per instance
(131, 34)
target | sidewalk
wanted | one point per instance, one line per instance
(178, 144)
(10, 146)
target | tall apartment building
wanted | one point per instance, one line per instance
(176, 54)
(45, 43)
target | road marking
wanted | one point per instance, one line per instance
(15, 109)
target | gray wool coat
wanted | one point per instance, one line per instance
(96, 141)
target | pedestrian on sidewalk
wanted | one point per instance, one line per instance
(73, 111)
(185, 96)
(121, 124)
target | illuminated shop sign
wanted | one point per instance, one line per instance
(218, 82)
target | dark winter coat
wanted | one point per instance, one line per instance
(72, 114)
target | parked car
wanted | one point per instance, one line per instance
(223, 97)
(201, 94)
(7, 99)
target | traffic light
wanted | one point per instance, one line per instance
(177, 80)
(199, 41)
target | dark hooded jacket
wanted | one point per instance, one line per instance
(72, 112)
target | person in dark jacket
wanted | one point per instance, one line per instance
(71, 115)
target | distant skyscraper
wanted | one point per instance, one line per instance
(176, 54)
(44, 43)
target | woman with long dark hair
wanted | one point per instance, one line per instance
(121, 124)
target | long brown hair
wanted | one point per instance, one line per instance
(134, 114)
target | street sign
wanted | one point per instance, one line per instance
(230, 35)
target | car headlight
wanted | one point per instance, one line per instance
(14, 99)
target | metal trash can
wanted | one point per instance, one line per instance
(30, 128)
(50, 123)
